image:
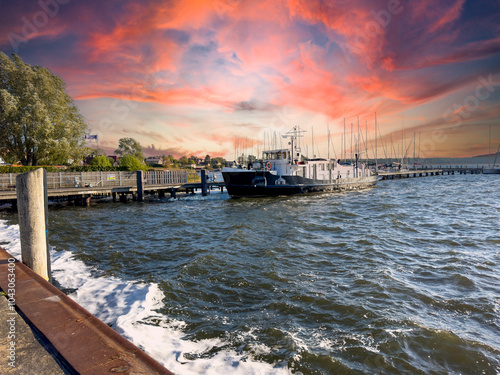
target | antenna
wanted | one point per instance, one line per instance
(293, 135)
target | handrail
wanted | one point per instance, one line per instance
(64, 180)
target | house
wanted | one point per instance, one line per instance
(152, 160)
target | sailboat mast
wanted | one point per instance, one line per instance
(357, 143)
(351, 142)
(376, 162)
(414, 139)
(366, 140)
(343, 143)
(328, 129)
(489, 146)
(402, 141)
(312, 140)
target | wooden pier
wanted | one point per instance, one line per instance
(391, 175)
(81, 187)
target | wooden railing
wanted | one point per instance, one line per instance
(62, 180)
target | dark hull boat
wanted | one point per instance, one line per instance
(495, 170)
(254, 183)
(287, 172)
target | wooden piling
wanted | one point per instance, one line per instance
(203, 182)
(32, 205)
(140, 186)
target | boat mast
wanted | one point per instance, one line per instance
(489, 147)
(496, 156)
(312, 140)
(343, 144)
(376, 163)
(328, 128)
(402, 141)
(351, 143)
(366, 140)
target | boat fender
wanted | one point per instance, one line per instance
(268, 165)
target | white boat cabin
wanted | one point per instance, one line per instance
(279, 162)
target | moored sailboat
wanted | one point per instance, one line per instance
(495, 169)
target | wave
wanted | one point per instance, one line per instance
(131, 309)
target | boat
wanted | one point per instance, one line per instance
(493, 169)
(287, 172)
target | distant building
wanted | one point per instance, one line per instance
(152, 160)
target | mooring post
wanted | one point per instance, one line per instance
(32, 208)
(140, 186)
(203, 182)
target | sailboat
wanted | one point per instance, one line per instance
(286, 172)
(495, 169)
(492, 169)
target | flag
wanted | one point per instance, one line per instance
(91, 136)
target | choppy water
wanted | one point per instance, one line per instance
(400, 279)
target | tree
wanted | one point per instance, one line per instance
(183, 160)
(132, 163)
(101, 161)
(217, 162)
(169, 160)
(207, 160)
(39, 122)
(129, 147)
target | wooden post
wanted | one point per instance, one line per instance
(32, 207)
(203, 182)
(140, 186)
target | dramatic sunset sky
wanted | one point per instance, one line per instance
(206, 77)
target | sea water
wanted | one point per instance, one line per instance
(403, 278)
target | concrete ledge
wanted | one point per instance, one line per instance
(88, 345)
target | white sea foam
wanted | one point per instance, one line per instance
(131, 309)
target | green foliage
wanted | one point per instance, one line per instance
(101, 161)
(129, 147)
(79, 168)
(39, 122)
(217, 162)
(132, 163)
(23, 169)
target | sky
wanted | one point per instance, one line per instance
(226, 77)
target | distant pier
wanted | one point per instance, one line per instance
(391, 175)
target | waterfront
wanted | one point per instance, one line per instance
(401, 278)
